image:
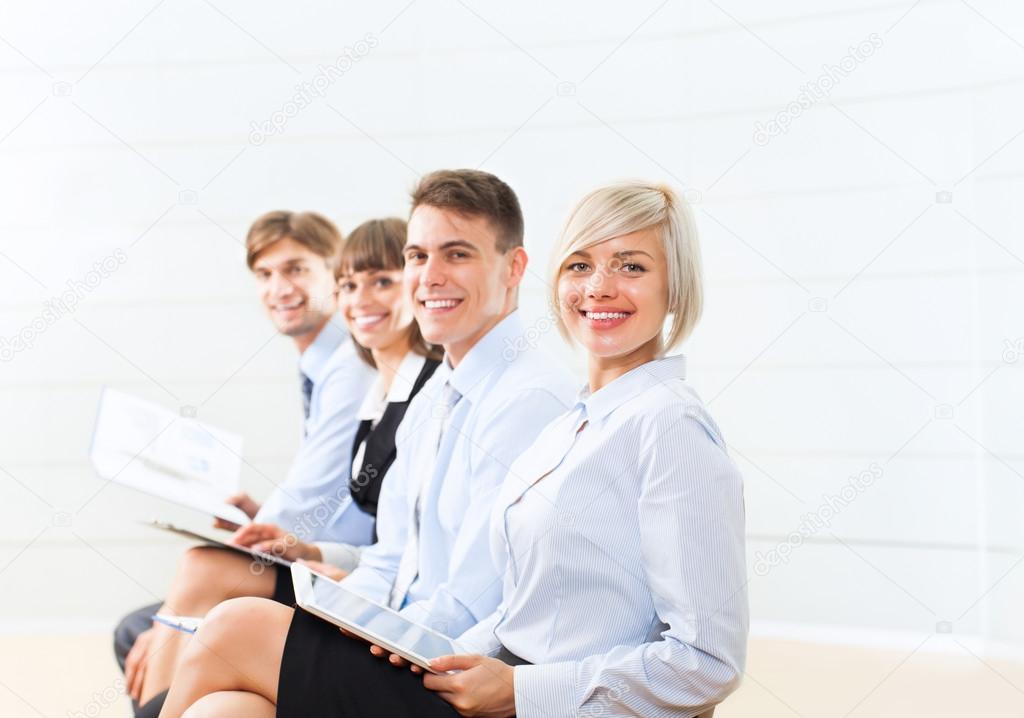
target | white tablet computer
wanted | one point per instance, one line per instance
(371, 621)
(264, 558)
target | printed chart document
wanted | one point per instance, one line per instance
(143, 445)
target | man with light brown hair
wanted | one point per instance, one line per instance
(293, 256)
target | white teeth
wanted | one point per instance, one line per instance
(282, 308)
(606, 315)
(440, 303)
(368, 319)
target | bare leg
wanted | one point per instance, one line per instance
(206, 576)
(238, 648)
(232, 704)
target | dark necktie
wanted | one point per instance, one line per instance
(307, 394)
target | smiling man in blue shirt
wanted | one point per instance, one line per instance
(293, 257)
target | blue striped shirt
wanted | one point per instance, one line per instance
(621, 534)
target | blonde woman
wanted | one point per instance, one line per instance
(620, 531)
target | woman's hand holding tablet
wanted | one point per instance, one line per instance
(474, 685)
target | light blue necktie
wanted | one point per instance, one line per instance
(408, 567)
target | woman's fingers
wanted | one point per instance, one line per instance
(459, 662)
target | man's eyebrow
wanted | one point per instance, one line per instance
(286, 263)
(458, 243)
(447, 245)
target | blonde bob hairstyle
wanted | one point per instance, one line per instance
(622, 208)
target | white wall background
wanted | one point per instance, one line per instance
(855, 316)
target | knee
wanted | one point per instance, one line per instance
(199, 563)
(205, 707)
(216, 635)
(201, 577)
(228, 621)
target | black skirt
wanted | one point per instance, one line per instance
(329, 675)
(284, 589)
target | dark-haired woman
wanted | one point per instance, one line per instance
(381, 323)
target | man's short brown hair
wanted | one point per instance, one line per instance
(313, 231)
(476, 194)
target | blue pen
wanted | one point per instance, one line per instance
(185, 624)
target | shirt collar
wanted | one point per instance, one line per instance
(605, 400)
(488, 354)
(408, 371)
(313, 361)
(375, 401)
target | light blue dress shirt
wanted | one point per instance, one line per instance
(375, 403)
(505, 399)
(313, 502)
(623, 551)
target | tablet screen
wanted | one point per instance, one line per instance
(380, 621)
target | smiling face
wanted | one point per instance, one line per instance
(297, 289)
(459, 283)
(375, 308)
(613, 296)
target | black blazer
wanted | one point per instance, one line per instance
(380, 446)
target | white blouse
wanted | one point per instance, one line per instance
(621, 535)
(344, 555)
